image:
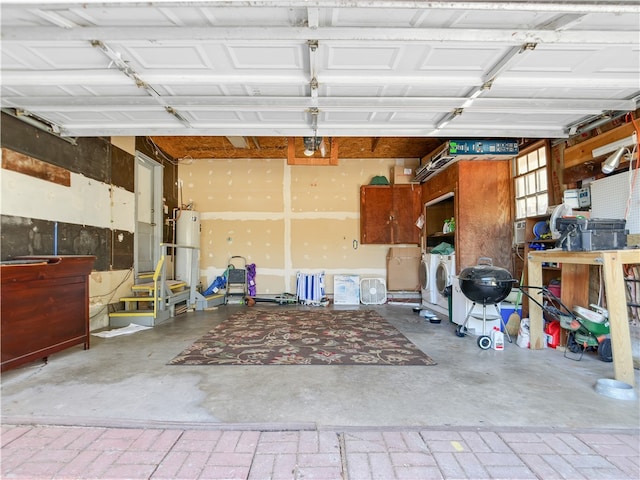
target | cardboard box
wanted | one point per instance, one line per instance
(402, 174)
(403, 265)
(577, 197)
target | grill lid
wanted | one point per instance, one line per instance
(485, 273)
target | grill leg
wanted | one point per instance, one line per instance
(462, 329)
(484, 341)
(484, 319)
(466, 319)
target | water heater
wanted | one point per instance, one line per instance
(187, 234)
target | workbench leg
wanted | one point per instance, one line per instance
(618, 320)
(536, 322)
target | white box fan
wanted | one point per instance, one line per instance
(373, 291)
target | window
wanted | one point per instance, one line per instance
(530, 180)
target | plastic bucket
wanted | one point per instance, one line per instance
(615, 389)
(555, 288)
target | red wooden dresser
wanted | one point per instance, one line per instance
(44, 306)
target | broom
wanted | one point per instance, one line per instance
(513, 322)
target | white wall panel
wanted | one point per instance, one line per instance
(85, 202)
(611, 198)
(122, 209)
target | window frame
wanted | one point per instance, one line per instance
(539, 145)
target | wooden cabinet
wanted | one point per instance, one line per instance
(45, 307)
(388, 213)
(481, 204)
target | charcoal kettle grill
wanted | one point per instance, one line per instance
(484, 284)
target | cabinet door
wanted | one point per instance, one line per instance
(375, 210)
(406, 209)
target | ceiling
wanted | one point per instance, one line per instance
(251, 71)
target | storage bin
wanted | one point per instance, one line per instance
(587, 234)
(556, 289)
(506, 309)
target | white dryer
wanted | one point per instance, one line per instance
(427, 276)
(445, 271)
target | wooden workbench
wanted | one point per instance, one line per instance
(611, 262)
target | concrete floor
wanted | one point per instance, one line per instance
(125, 380)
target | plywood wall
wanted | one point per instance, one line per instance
(285, 219)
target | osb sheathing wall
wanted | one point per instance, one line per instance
(285, 219)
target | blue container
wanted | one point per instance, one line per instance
(506, 309)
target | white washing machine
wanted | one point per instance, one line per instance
(445, 271)
(427, 275)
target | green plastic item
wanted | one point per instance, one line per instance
(379, 180)
(443, 248)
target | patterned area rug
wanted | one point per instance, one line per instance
(303, 337)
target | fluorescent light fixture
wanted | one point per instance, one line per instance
(629, 141)
(238, 142)
(439, 199)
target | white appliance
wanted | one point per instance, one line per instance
(187, 234)
(373, 291)
(461, 306)
(519, 232)
(445, 270)
(427, 276)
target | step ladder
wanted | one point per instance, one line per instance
(156, 299)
